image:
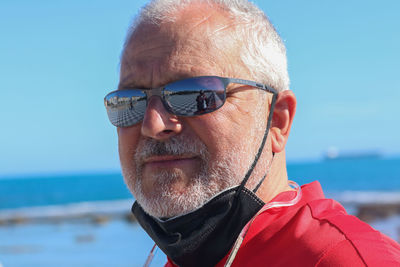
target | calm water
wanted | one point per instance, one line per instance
(116, 243)
(350, 174)
(49, 190)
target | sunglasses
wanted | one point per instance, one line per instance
(188, 97)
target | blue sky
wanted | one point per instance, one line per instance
(59, 59)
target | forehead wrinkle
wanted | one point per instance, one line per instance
(143, 42)
(124, 80)
(133, 76)
(199, 23)
(135, 62)
(203, 16)
(146, 48)
(229, 28)
(212, 23)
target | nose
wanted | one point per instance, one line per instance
(158, 123)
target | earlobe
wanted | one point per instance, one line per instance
(282, 119)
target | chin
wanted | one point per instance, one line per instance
(174, 193)
(171, 197)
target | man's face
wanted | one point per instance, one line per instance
(171, 164)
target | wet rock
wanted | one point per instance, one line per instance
(129, 217)
(371, 212)
(100, 219)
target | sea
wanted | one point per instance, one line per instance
(84, 219)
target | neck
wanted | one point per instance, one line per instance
(276, 181)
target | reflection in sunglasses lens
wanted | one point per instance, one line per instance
(195, 96)
(126, 107)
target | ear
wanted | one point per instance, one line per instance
(282, 119)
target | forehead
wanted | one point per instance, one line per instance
(195, 44)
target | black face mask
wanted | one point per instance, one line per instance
(204, 236)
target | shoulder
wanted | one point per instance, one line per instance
(170, 263)
(356, 242)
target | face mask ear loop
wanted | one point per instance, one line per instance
(259, 183)
(261, 148)
(265, 176)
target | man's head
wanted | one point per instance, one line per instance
(174, 164)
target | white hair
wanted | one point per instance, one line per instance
(262, 51)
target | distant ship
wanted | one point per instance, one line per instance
(334, 154)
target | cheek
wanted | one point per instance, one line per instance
(209, 129)
(239, 123)
(222, 130)
(127, 142)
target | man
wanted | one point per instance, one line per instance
(212, 189)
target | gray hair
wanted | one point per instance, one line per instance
(262, 51)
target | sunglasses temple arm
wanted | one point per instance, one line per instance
(270, 89)
(255, 84)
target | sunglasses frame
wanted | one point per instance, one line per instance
(159, 91)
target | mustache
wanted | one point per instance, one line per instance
(176, 145)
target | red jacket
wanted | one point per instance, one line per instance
(314, 232)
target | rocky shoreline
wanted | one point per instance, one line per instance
(384, 217)
(368, 212)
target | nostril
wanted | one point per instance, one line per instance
(157, 122)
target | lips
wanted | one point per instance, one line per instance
(168, 160)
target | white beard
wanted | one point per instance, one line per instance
(226, 171)
(203, 186)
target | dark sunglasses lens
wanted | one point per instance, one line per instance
(125, 107)
(195, 96)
